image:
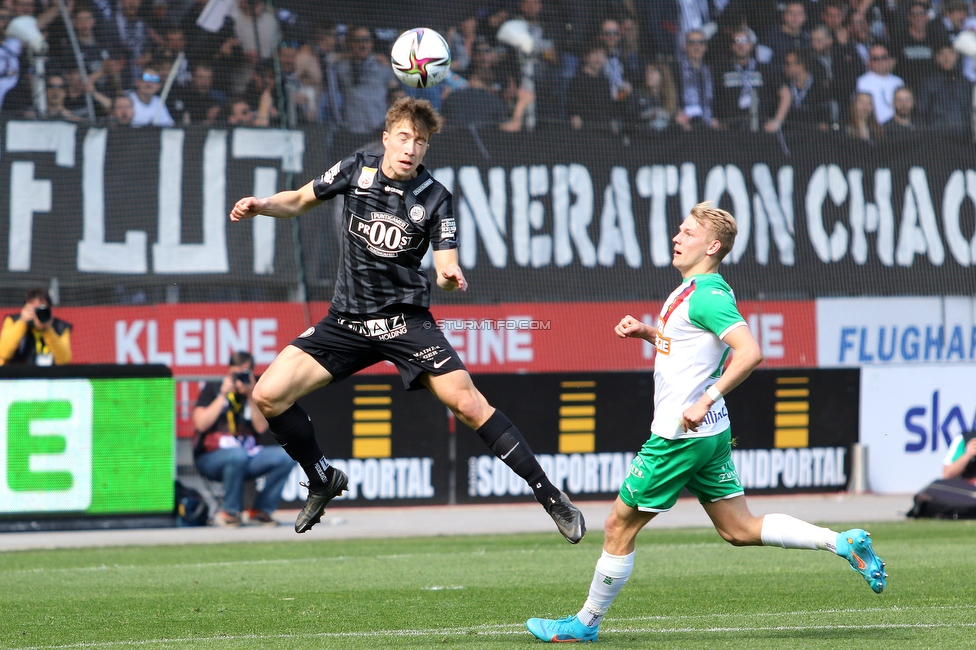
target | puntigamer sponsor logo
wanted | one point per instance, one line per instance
(46, 442)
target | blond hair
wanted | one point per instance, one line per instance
(718, 222)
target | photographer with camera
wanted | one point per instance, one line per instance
(227, 422)
(34, 336)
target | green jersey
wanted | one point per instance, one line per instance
(690, 353)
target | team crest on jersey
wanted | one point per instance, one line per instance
(330, 175)
(417, 213)
(384, 234)
(366, 177)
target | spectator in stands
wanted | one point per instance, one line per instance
(862, 124)
(901, 124)
(174, 42)
(258, 32)
(122, 111)
(221, 49)
(300, 86)
(55, 90)
(839, 65)
(95, 48)
(655, 103)
(263, 83)
(877, 16)
(480, 103)
(859, 36)
(954, 15)
(133, 34)
(743, 87)
(618, 69)
(696, 89)
(200, 103)
(461, 39)
(228, 422)
(9, 57)
(364, 79)
(880, 83)
(34, 336)
(240, 112)
(549, 59)
(326, 55)
(958, 461)
(589, 101)
(75, 99)
(945, 98)
(803, 99)
(833, 15)
(788, 37)
(915, 44)
(148, 108)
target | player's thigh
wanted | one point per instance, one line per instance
(660, 471)
(293, 374)
(717, 478)
(457, 391)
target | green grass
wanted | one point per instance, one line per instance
(689, 589)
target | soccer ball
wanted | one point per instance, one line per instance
(421, 57)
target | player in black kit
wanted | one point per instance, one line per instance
(394, 210)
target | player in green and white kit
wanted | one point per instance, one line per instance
(958, 462)
(690, 435)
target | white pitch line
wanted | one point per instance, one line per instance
(509, 629)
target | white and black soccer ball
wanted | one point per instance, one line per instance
(421, 57)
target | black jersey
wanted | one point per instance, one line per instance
(387, 226)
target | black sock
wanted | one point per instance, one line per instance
(507, 443)
(294, 432)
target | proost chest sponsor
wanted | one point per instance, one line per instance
(909, 416)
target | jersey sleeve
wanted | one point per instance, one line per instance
(713, 308)
(336, 180)
(443, 226)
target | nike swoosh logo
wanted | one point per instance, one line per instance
(860, 563)
(361, 192)
(438, 364)
(506, 455)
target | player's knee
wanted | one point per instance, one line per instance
(265, 401)
(471, 408)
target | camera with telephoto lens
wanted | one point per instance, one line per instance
(42, 313)
(245, 376)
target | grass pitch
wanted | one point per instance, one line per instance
(689, 590)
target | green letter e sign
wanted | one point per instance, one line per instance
(46, 445)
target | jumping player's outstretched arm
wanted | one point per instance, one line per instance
(449, 275)
(282, 205)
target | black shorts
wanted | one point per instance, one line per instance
(404, 334)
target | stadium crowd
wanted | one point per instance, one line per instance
(870, 68)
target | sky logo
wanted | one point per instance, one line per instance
(953, 423)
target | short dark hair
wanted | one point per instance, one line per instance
(39, 292)
(241, 357)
